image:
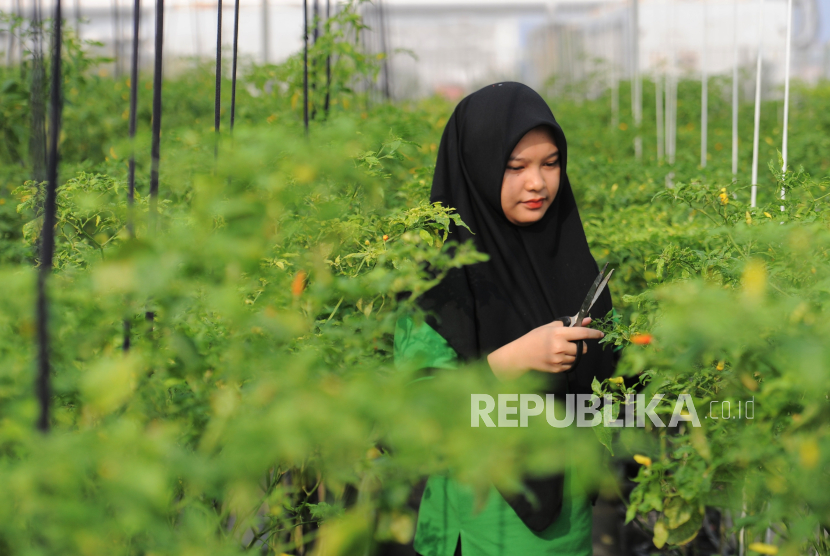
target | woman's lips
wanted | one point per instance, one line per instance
(533, 204)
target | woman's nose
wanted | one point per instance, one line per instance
(535, 181)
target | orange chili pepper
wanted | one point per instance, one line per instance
(298, 284)
(641, 339)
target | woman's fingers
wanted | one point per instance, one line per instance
(562, 354)
(580, 333)
(567, 348)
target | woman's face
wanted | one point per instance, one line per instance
(531, 178)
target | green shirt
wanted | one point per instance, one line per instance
(447, 506)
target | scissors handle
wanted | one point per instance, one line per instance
(566, 321)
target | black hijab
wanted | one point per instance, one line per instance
(535, 273)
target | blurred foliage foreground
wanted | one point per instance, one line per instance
(260, 410)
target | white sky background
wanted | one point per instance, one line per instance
(441, 31)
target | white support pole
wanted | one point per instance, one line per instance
(195, 27)
(671, 123)
(10, 49)
(265, 32)
(704, 96)
(671, 89)
(612, 73)
(658, 95)
(77, 18)
(667, 115)
(673, 154)
(756, 133)
(787, 89)
(742, 532)
(116, 37)
(636, 81)
(735, 94)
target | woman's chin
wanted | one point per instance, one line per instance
(527, 218)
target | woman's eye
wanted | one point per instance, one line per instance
(552, 164)
(515, 167)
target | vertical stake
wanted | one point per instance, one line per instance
(636, 82)
(156, 128)
(385, 49)
(615, 86)
(43, 387)
(197, 35)
(133, 109)
(131, 171)
(328, 62)
(116, 37)
(704, 95)
(786, 91)
(37, 137)
(658, 96)
(264, 31)
(315, 35)
(233, 70)
(217, 104)
(10, 46)
(735, 94)
(77, 18)
(19, 10)
(671, 99)
(305, 66)
(757, 130)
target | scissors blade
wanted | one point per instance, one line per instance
(586, 305)
(600, 288)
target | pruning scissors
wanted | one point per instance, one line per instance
(593, 294)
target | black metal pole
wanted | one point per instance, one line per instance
(156, 131)
(328, 64)
(233, 70)
(37, 137)
(131, 172)
(43, 386)
(133, 108)
(218, 92)
(305, 65)
(315, 9)
(314, 36)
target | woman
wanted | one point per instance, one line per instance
(502, 165)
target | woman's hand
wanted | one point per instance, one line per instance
(549, 349)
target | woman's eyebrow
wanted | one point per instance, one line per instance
(522, 159)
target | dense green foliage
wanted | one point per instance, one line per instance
(261, 408)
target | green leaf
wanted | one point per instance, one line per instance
(678, 512)
(686, 532)
(596, 387)
(661, 534)
(605, 436)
